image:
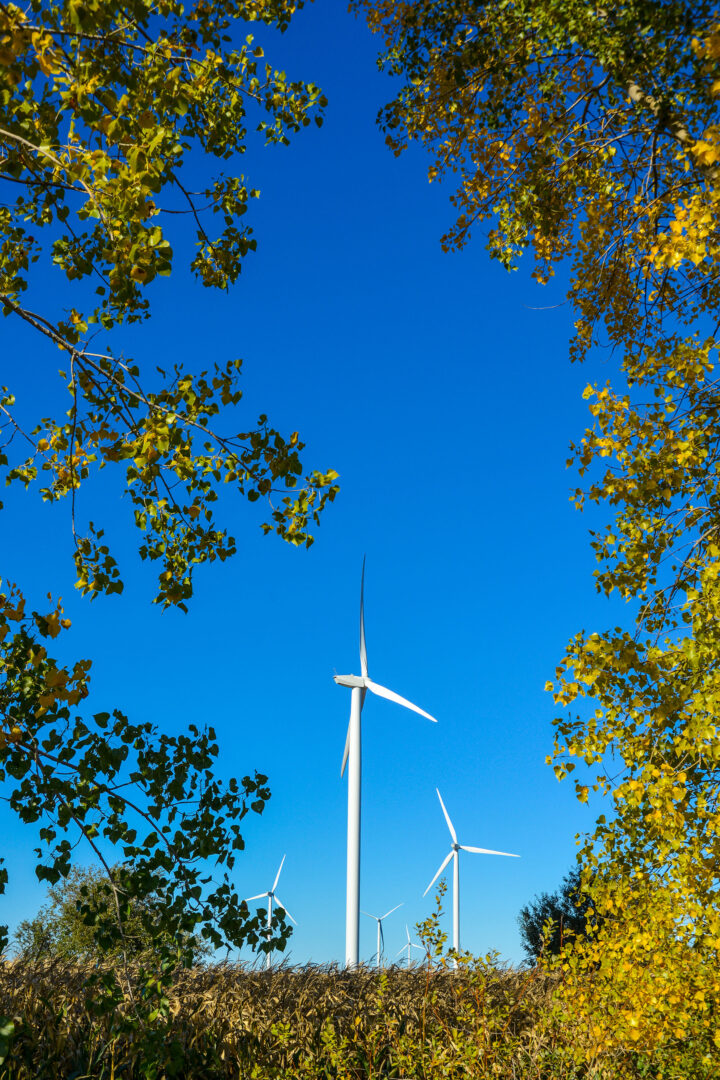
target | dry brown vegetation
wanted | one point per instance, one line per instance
(310, 1023)
(231, 1021)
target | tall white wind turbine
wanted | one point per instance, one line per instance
(359, 684)
(272, 895)
(454, 854)
(410, 946)
(380, 935)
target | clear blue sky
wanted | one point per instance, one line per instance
(446, 403)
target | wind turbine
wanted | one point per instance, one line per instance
(359, 684)
(272, 895)
(455, 850)
(410, 946)
(380, 934)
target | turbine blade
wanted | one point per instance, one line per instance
(368, 914)
(447, 818)
(382, 938)
(363, 649)
(400, 951)
(277, 876)
(391, 911)
(279, 904)
(346, 754)
(382, 691)
(443, 864)
(260, 896)
(487, 851)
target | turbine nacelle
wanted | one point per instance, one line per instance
(362, 682)
(353, 681)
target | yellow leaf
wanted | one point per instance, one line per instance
(56, 677)
(16, 613)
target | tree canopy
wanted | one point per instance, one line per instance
(590, 134)
(117, 124)
(105, 108)
(551, 920)
(74, 923)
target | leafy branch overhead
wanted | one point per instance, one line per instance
(102, 108)
(571, 130)
(175, 464)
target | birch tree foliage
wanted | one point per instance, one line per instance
(104, 108)
(590, 134)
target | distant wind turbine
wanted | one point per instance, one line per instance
(272, 895)
(359, 684)
(380, 935)
(410, 946)
(455, 850)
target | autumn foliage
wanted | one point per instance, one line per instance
(589, 135)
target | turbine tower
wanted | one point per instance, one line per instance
(272, 895)
(359, 684)
(455, 850)
(380, 935)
